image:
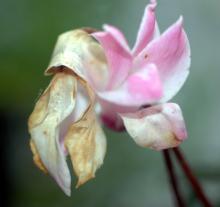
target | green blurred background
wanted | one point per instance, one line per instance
(131, 176)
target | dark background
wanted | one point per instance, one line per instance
(130, 176)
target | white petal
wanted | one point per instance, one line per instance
(53, 107)
(157, 127)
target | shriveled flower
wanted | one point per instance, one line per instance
(140, 82)
(63, 121)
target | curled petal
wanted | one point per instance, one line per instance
(79, 52)
(148, 29)
(118, 58)
(157, 127)
(86, 144)
(140, 88)
(53, 107)
(171, 54)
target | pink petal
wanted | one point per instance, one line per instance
(171, 54)
(158, 127)
(118, 35)
(140, 88)
(119, 59)
(148, 29)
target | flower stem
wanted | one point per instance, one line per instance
(192, 179)
(173, 180)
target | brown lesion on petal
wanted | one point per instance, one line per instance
(169, 141)
(162, 136)
(36, 157)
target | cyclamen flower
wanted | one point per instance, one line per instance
(140, 82)
(131, 87)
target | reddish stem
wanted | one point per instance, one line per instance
(192, 179)
(173, 180)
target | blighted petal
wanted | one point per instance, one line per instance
(171, 54)
(86, 144)
(158, 127)
(148, 29)
(79, 52)
(140, 88)
(118, 58)
(52, 108)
